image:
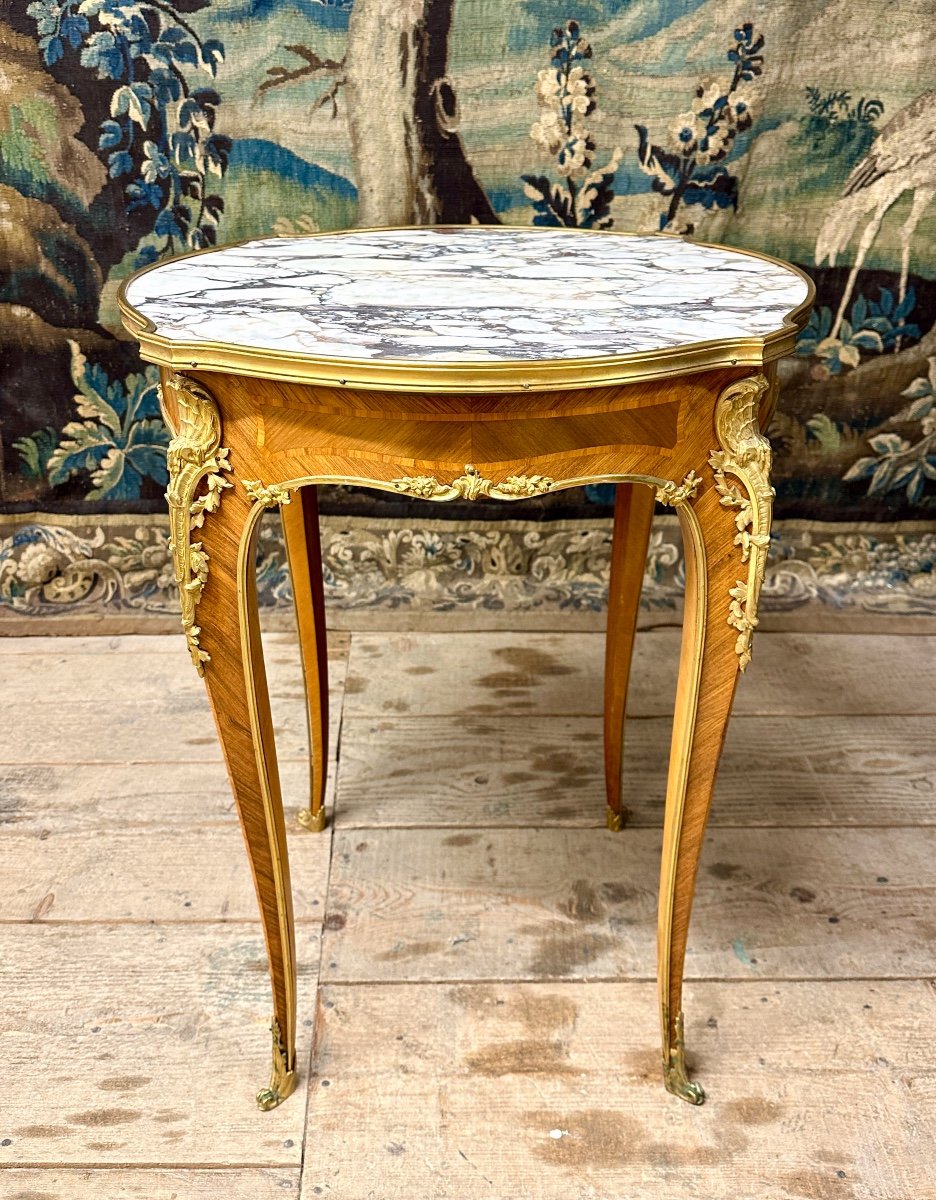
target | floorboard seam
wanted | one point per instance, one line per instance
(712, 825)
(614, 981)
(318, 975)
(43, 1165)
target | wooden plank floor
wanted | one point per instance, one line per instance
(476, 952)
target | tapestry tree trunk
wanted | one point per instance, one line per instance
(402, 110)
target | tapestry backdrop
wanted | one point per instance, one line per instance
(135, 129)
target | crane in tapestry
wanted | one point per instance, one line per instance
(866, 346)
(134, 129)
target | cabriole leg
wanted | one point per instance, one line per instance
(726, 533)
(213, 535)
(304, 551)
(633, 516)
(236, 679)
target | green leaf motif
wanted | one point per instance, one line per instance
(93, 399)
(120, 443)
(825, 431)
(82, 448)
(34, 452)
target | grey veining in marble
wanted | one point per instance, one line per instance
(482, 295)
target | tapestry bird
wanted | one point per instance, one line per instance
(902, 158)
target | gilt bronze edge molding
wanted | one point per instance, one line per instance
(472, 485)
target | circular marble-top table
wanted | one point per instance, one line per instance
(458, 363)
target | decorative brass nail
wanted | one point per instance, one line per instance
(745, 453)
(471, 485)
(194, 454)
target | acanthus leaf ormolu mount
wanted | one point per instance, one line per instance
(195, 456)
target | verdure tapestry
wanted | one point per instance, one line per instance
(131, 130)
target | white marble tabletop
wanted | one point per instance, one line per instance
(478, 294)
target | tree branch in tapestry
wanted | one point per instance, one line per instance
(313, 68)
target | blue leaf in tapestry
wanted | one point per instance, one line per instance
(872, 327)
(898, 462)
(160, 132)
(120, 440)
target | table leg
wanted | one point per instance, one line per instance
(633, 516)
(304, 551)
(213, 535)
(726, 533)
(237, 687)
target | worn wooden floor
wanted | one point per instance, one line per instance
(476, 951)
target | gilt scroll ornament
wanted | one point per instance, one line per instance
(745, 454)
(675, 494)
(269, 496)
(194, 457)
(471, 485)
